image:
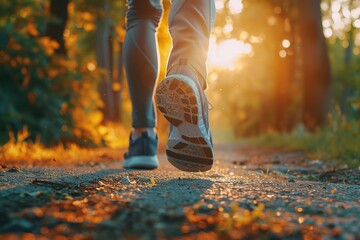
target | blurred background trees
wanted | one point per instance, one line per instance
(275, 66)
(61, 69)
(287, 74)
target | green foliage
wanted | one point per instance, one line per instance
(85, 17)
(338, 142)
(346, 80)
(27, 97)
(39, 90)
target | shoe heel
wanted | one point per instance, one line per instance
(177, 101)
(187, 148)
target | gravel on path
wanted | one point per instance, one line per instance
(260, 194)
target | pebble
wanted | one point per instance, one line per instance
(14, 169)
(16, 226)
(126, 180)
(160, 225)
(316, 163)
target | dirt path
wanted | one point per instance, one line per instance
(250, 193)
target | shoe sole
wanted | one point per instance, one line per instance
(141, 162)
(178, 102)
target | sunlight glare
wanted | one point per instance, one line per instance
(271, 21)
(338, 23)
(91, 66)
(226, 53)
(357, 40)
(228, 28)
(328, 32)
(213, 77)
(66, 33)
(335, 7)
(286, 43)
(282, 53)
(355, 13)
(235, 6)
(326, 23)
(244, 35)
(346, 12)
(324, 6)
(356, 51)
(336, 17)
(357, 23)
(219, 5)
(277, 10)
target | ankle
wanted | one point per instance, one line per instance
(137, 132)
(190, 72)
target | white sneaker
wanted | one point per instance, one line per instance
(184, 104)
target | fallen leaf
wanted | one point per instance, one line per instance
(152, 180)
(67, 197)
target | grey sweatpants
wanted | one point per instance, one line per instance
(190, 23)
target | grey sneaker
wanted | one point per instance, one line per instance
(184, 104)
(142, 153)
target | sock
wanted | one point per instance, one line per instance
(136, 134)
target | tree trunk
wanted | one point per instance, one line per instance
(284, 66)
(284, 79)
(346, 91)
(56, 30)
(315, 65)
(283, 98)
(104, 61)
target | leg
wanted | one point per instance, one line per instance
(141, 59)
(190, 24)
(141, 66)
(180, 96)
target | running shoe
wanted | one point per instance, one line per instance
(142, 153)
(183, 102)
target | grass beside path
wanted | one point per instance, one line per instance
(340, 147)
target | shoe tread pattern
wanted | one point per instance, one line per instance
(178, 102)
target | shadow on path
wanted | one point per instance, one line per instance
(51, 202)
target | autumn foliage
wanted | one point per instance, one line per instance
(53, 96)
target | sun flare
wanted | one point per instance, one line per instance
(225, 54)
(235, 6)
